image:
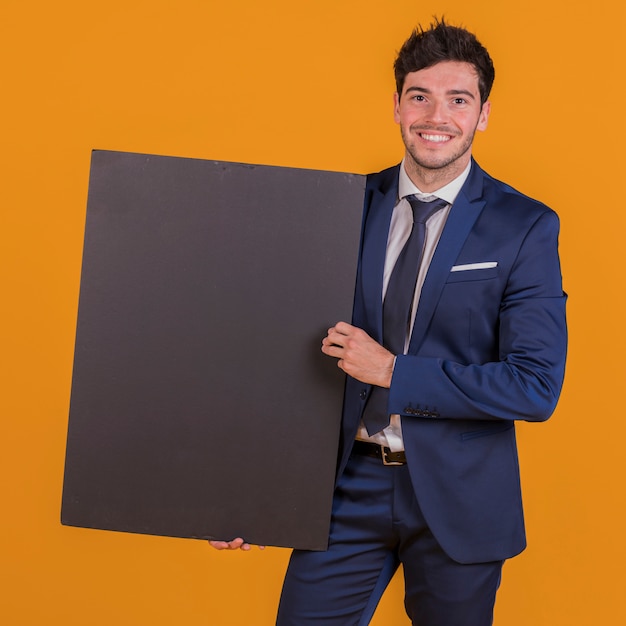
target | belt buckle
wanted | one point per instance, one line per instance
(383, 454)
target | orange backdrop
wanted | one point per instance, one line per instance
(303, 84)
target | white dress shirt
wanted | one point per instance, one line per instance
(399, 231)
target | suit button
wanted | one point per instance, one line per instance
(363, 394)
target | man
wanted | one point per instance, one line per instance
(428, 472)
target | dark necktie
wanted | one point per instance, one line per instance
(398, 304)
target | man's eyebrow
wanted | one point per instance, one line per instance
(462, 92)
(451, 92)
(420, 89)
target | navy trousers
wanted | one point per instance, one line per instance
(376, 525)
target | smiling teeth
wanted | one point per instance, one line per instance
(435, 137)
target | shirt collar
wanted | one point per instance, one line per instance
(448, 192)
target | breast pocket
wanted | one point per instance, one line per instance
(465, 322)
(472, 274)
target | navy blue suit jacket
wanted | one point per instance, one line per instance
(487, 348)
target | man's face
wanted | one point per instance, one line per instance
(439, 111)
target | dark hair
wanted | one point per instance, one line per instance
(441, 42)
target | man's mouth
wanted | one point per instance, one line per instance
(435, 138)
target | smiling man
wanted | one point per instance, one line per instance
(458, 331)
(439, 109)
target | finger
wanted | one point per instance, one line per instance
(343, 328)
(332, 333)
(329, 342)
(326, 341)
(227, 545)
(333, 350)
(335, 337)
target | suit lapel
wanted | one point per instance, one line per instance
(463, 215)
(383, 200)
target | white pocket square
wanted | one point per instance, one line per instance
(474, 266)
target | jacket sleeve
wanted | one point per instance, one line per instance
(530, 338)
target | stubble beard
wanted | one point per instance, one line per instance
(437, 167)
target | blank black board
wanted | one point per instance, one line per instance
(201, 405)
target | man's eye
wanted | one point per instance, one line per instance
(459, 101)
(418, 98)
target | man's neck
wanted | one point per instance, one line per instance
(429, 179)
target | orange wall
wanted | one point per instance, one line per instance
(304, 84)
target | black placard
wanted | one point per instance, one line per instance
(201, 404)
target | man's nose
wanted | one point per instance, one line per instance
(437, 113)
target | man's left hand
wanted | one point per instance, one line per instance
(359, 355)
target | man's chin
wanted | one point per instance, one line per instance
(435, 162)
(431, 163)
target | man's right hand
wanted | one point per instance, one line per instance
(235, 544)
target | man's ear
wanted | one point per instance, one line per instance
(483, 118)
(396, 107)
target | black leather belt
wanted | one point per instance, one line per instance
(367, 448)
